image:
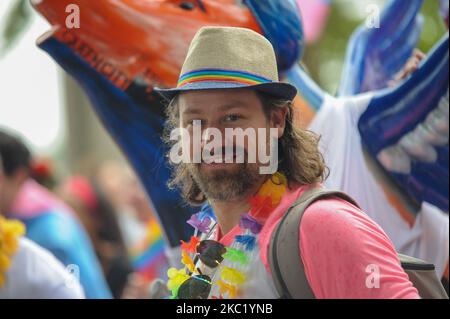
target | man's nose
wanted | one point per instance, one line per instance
(210, 133)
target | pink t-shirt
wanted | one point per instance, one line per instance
(338, 244)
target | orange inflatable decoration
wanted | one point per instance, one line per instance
(128, 39)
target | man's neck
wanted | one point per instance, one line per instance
(229, 213)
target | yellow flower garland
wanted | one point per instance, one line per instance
(10, 231)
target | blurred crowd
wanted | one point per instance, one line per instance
(100, 227)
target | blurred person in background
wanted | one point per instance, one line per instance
(42, 171)
(99, 218)
(49, 222)
(114, 179)
(27, 271)
(142, 232)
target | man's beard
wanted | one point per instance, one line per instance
(226, 184)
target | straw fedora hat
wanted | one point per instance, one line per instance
(226, 58)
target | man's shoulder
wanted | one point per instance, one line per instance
(327, 210)
(338, 217)
(334, 208)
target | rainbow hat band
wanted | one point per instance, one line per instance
(226, 58)
(218, 75)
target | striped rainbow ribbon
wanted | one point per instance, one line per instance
(221, 75)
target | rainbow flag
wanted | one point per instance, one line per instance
(148, 257)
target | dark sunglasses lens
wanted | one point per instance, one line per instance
(196, 287)
(210, 252)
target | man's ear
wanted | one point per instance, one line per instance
(278, 119)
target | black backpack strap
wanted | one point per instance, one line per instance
(284, 251)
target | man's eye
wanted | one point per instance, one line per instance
(195, 122)
(232, 118)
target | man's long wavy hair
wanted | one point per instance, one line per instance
(298, 151)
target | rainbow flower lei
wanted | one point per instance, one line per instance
(10, 231)
(231, 279)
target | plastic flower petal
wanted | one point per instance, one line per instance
(176, 278)
(201, 224)
(191, 246)
(187, 261)
(227, 288)
(261, 206)
(206, 211)
(248, 222)
(232, 276)
(248, 241)
(4, 262)
(274, 188)
(236, 255)
(10, 231)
